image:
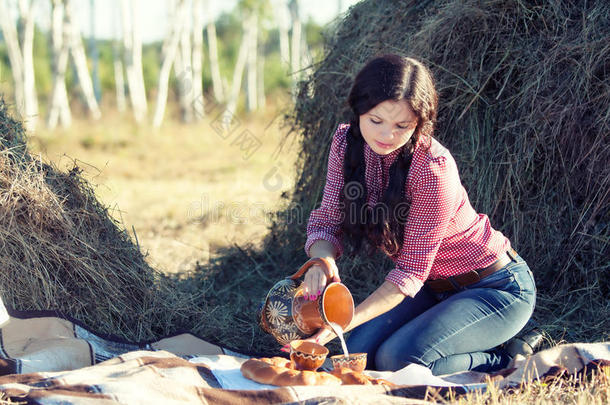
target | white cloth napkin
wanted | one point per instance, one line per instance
(226, 370)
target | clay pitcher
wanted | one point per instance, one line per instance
(287, 316)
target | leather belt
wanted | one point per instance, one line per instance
(461, 280)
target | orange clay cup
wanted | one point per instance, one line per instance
(307, 355)
(354, 361)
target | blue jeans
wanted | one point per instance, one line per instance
(451, 331)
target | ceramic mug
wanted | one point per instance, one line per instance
(288, 316)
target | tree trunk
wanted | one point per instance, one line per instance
(171, 49)
(306, 59)
(29, 84)
(59, 107)
(94, 53)
(197, 93)
(252, 65)
(261, 81)
(213, 50)
(236, 82)
(119, 79)
(184, 73)
(283, 18)
(80, 61)
(138, 71)
(9, 32)
(295, 54)
(132, 47)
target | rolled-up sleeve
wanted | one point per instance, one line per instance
(433, 205)
(325, 222)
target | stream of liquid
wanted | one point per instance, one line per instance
(339, 332)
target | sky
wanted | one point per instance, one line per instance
(153, 17)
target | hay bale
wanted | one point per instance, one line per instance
(524, 91)
(61, 250)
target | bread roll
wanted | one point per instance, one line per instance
(280, 371)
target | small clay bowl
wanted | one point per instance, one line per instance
(307, 355)
(355, 361)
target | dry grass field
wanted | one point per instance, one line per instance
(182, 191)
(593, 391)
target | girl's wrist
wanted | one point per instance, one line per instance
(328, 256)
(322, 248)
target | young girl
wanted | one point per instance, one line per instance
(458, 289)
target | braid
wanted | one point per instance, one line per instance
(383, 225)
(353, 196)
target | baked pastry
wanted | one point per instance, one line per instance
(350, 377)
(280, 371)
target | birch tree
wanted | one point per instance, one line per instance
(183, 70)
(9, 33)
(132, 46)
(238, 72)
(22, 59)
(198, 108)
(256, 14)
(283, 18)
(30, 98)
(217, 84)
(66, 40)
(170, 48)
(295, 52)
(80, 60)
(306, 58)
(119, 80)
(59, 108)
(260, 84)
(95, 57)
(252, 28)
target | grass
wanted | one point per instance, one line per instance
(183, 192)
(594, 390)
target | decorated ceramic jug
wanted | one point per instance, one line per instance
(287, 316)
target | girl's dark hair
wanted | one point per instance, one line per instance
(387, 77)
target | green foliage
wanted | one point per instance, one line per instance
(229, 33)
(151, 64)
(260, 7)
(42, 63)
(5, 73)
(312, 31)
(276, 73)
(106, 66)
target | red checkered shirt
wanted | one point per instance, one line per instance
(443, 235)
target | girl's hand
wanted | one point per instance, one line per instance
(315, 280)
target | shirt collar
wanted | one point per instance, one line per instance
(386, 160)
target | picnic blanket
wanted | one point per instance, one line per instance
(46, 358)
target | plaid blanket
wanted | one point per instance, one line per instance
(47, 359)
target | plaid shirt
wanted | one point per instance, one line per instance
(443, 234)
